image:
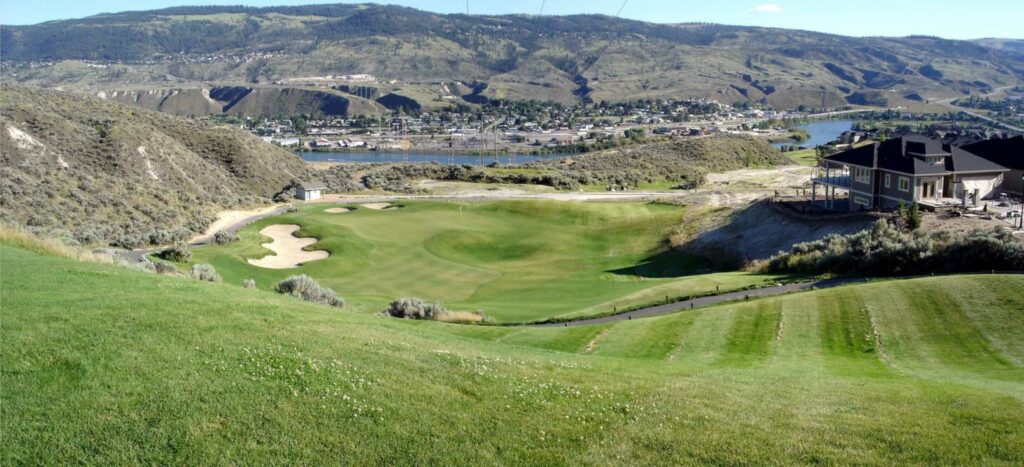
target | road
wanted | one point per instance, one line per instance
(232, 226)
(700, 302)
(949, 103)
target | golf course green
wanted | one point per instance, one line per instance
(515, 261)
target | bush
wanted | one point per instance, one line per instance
(223, 238)
(176, 254)
(164, 268)
(414, 308)
(203, 272)
(884, 250)
(304, 287)
(249, 284)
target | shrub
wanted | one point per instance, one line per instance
(203, 272)
(249, 284)
(886, 251)
(414, 308)
(304, 287)
(163, 268)
(176, 254)
(223, 238)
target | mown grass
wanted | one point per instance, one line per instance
(514, 260)
(102, 365)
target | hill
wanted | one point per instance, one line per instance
(560, 58)
(265, 101)
(96, 171)
(173, 371)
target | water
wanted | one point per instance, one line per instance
(420, 157)
(821, 132)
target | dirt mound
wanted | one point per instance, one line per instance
(760, 231)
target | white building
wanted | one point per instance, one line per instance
(310, 190)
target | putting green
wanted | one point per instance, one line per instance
(514, 260)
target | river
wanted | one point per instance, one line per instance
(821, 132)
(420, 157)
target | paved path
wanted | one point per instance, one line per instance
(703, 302)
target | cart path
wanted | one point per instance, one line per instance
(700, 302)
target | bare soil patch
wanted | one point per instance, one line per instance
(287, 248)
(337, 210)
(380, 206)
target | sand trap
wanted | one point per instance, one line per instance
(288, 249)
(380, 206)
(337, 210)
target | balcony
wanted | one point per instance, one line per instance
(840, 180)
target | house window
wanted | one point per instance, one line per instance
(904, 184)
(862, 175)
(888, 180)
(862, 200)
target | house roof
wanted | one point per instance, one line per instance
(1007, 152)
(910, 154)
(312, 185)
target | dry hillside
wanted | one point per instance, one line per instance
(99, 172)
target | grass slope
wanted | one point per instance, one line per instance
(103, 365)
(515, 260)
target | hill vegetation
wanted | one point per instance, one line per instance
(94, 171)
(518, 57)
(169, 370)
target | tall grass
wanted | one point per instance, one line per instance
(19, 238)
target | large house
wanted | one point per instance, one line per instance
(1008, 153)
(912, 168)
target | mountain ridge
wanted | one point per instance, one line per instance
(519, 57)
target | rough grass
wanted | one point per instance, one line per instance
(514, 260)
(172, 371)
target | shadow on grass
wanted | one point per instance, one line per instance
(670, 263)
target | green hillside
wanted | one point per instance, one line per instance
(102, 365)
(513, 260)
(558, 58)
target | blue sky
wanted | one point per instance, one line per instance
(946, 18)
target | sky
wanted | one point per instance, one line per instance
(956, 19)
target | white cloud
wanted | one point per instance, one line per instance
(768, 8)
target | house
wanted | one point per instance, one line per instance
(310, 190)
(908, 169)
(1007, 152)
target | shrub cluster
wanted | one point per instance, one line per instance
(414, 308)
(249, 284)
(304, 287)
(177, 254)
(203, 272)
(223, 238)
(884, 250)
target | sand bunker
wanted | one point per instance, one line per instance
(337, 210)
(288, 249)
(380, 206)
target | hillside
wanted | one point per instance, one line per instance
(567, 59)
(686, 161)
(269, 101)
(97, 172)
(171, 371)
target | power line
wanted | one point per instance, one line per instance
(542, 2)
(623, 7)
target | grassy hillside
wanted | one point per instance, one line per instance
(514, 260)
(167, 370)
(567, 59)
(97, 171)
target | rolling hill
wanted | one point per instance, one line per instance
(566, 59)
(96, 171)
(172, 371)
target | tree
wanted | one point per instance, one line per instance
(914, 217)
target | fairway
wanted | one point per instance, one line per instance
(104, 365)
(513, 260)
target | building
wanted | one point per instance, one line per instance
(310, 190)
(1007, 152)
(909, 169)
